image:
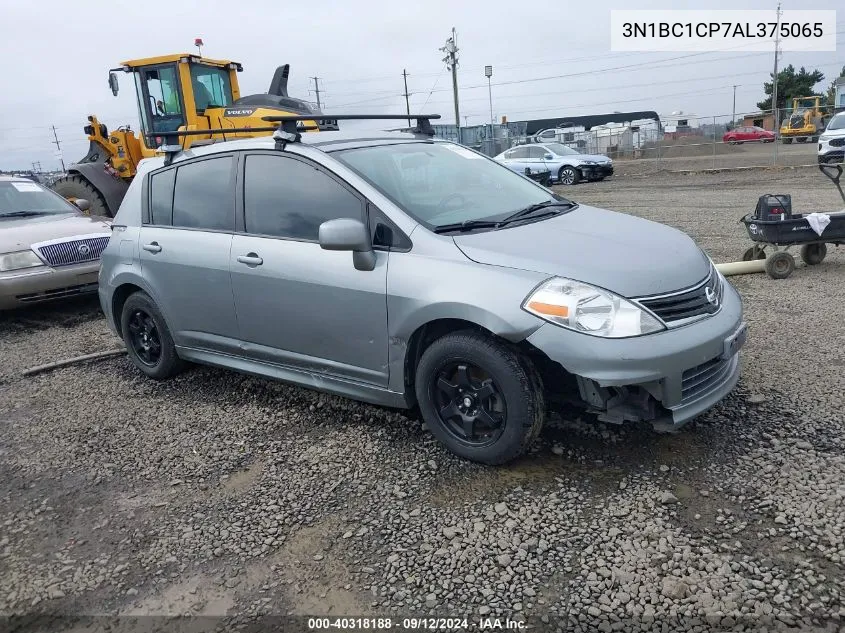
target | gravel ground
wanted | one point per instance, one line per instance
(700, 155)
(218, 494)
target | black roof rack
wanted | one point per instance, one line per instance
(287, 122)
(287, 131)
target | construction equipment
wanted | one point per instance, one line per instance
(181, 92)
(807, 120)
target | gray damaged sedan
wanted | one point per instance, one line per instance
(49, 249)
(399, 270)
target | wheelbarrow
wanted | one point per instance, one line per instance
(773, 226)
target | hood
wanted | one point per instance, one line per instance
(622, 253)
(596, 158)
(17, 234)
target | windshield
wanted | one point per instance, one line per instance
(444, 183)
(560, 149)
(837, 122)
(21, 197)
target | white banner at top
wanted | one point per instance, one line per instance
(722, 31)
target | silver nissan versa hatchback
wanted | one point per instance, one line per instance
(404, 271)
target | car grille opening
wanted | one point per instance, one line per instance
(701, 378)
(76, 251)
(57, 293)
(701, 300)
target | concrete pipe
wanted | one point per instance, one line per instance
(742, 268)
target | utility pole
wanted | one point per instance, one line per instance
(488, 72)
(733, 112)
(317, 91)
(775, 88)
(406, 95)
(451, 59)
(58, 148)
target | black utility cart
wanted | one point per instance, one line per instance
(773, 226)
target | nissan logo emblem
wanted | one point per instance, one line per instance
(84, 250)
(711, 295)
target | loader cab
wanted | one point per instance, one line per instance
(175, 91)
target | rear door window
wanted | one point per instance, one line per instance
(203, 197)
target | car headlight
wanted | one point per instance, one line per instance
(589, 310)
(588, 162)
(19, 260)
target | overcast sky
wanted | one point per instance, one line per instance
(57, 55)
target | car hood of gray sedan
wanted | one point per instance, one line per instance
(18, 234)
(630, 256)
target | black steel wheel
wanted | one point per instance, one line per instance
(469, 403)
(780, 265)
(480, 397)
(813, 254)
(752, 253)
(147, 338)
(144, 338)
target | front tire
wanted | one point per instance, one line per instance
(480, 398)
(74, 187)
(568, 175)
(147, 338)
(813, 254)
(780, 265)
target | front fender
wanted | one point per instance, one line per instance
(424, 290)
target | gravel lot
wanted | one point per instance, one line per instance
(217, 494)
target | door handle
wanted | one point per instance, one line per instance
(152, 247)
(250, 259)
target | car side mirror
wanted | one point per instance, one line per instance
(82, 204)
(113, 83)
(549, 157)
(346, 234)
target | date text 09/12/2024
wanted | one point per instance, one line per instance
(415, 624)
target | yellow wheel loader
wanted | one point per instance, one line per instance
(182, 92)
(807, 120)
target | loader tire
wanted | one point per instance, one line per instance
(74, 186)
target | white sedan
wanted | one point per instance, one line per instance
(567, 165)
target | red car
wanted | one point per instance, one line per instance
(748, 134)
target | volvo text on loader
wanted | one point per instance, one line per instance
(182, 92)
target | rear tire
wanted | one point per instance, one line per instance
(780, 265)
(74, 186)
(480, 398)
(813, 254)
(147, 338)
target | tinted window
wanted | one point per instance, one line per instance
(203, 197)
(519, 152)
(537, 152)
(284, 197)
(161, 197)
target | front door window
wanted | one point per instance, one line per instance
(161, 102)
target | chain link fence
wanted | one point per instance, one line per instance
(678, 142)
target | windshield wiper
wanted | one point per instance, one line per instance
(466, 225)
(22, 214)
(522, 213)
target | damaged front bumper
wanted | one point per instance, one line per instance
(667, 378)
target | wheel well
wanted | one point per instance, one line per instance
(118, 299)
(559, 384)
(425, 335)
